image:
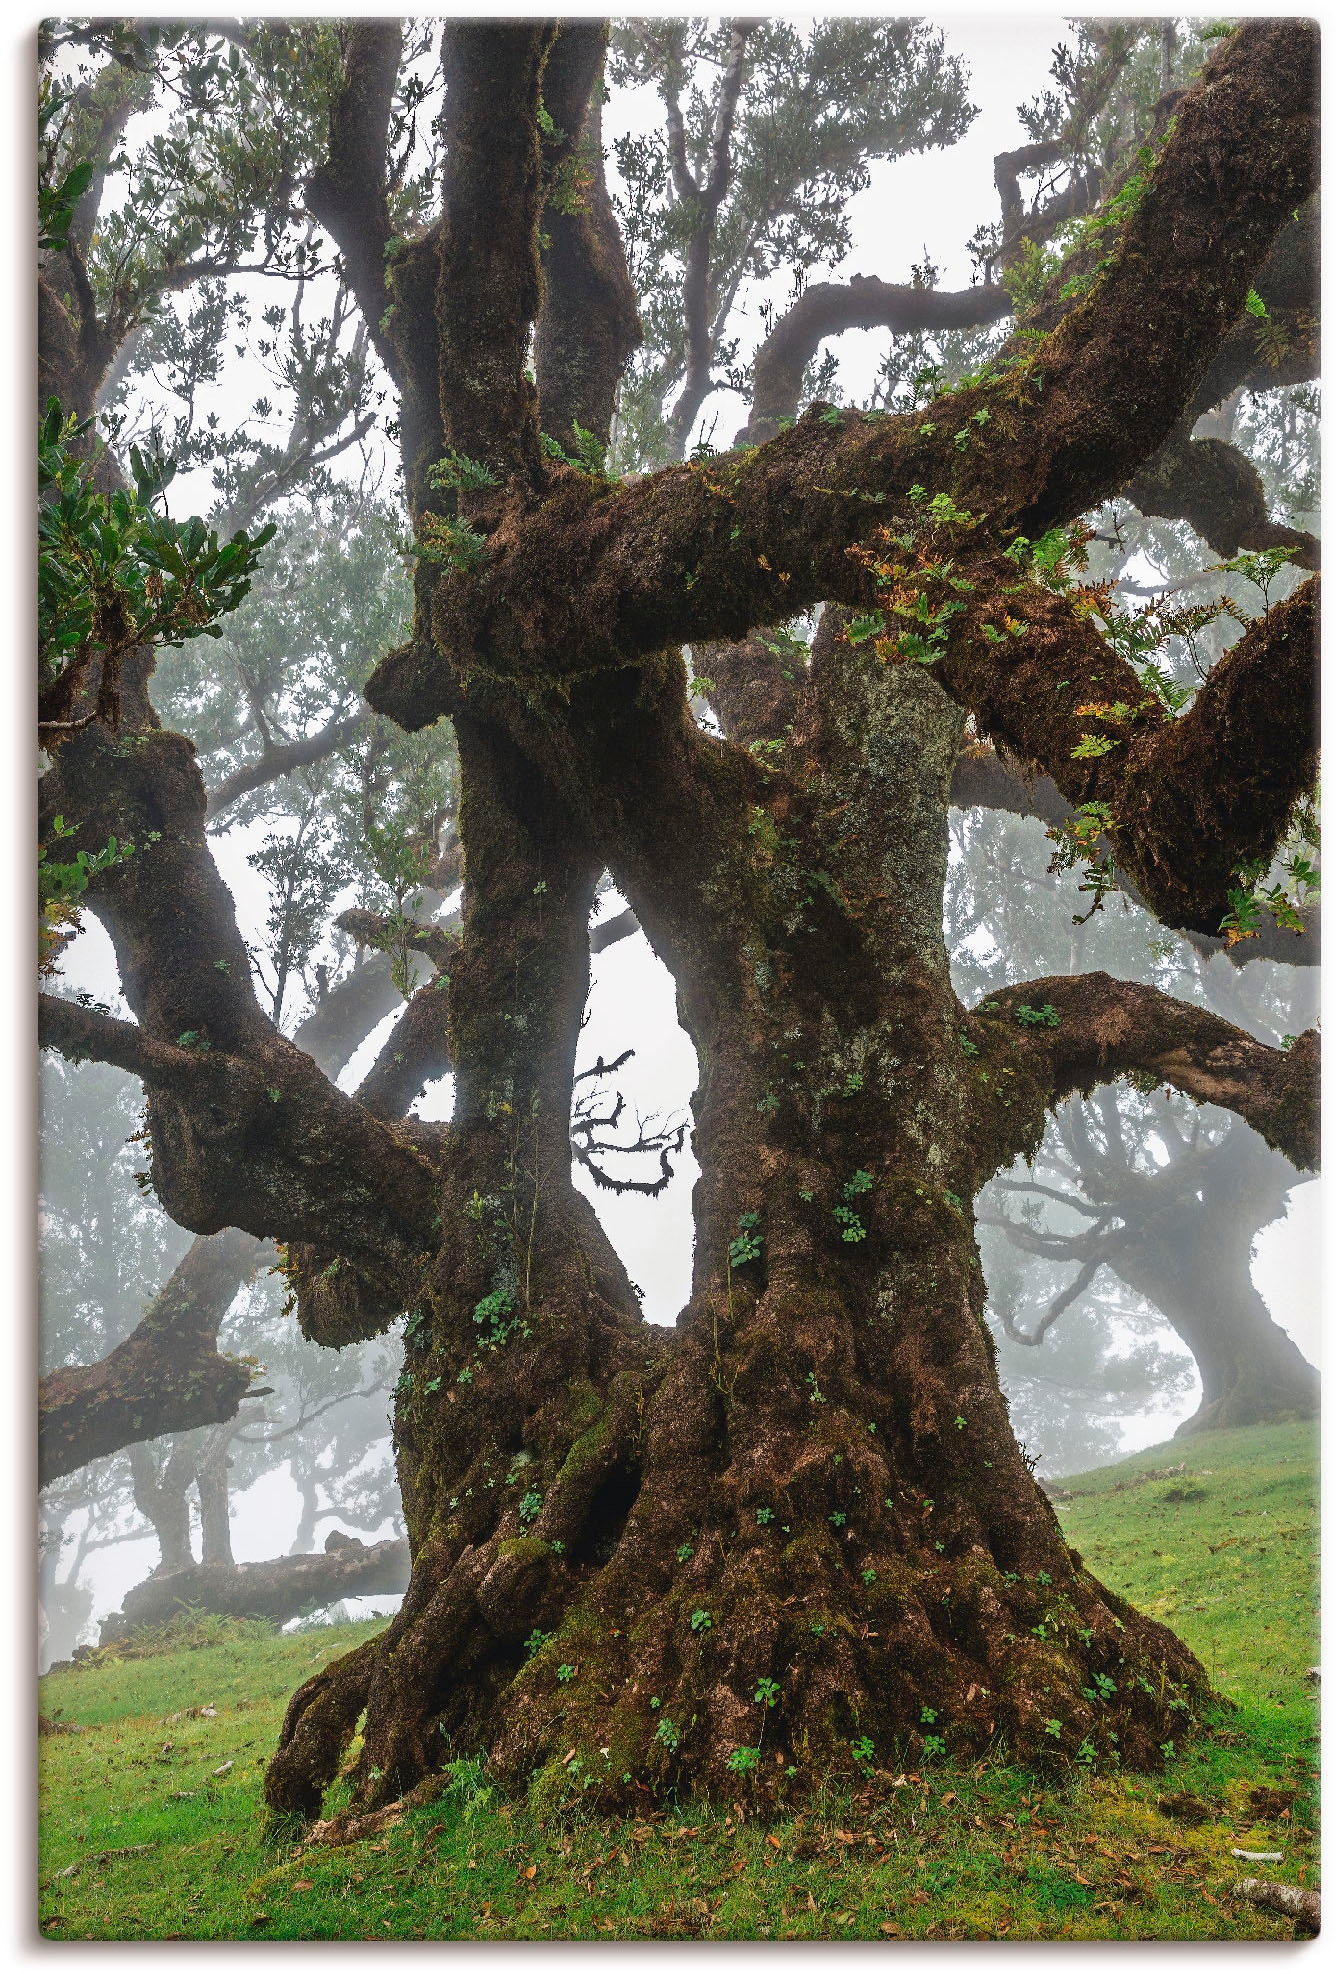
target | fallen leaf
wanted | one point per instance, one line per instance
(221, 1769)
(303, 1885)
(531, 1871)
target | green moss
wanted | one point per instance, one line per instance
(524, 1548)
(587, 1449)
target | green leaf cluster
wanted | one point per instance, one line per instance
(114, 571)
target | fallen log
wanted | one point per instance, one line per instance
(283, 1588)
(1294, 1901)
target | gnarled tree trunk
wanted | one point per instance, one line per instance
(796, 1533)
(1182, 1238)
(799, 1526)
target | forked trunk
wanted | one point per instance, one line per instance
(796, 1536)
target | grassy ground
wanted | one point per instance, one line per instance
(152, 1824)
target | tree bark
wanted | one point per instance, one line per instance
(589, 321)
(1297, 1902)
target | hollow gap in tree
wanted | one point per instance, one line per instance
(609, 1512)
(641, 1098)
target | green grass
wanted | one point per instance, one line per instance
(1225, 1551)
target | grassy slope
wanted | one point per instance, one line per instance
(1225, 1551)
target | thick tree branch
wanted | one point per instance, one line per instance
(589, 321)
(279, 1590)
(597, 578)
(1218, 491)
(1214, 789)
(167, 1376)
(985, 779)
(415, 1053)
(348, 194)
(489, 284)
(1187, 800)
(85, 1034)
(338, 1025)
(245, 1129)
(436, 942)
(1284, 350)
(1106, 1028)
(623, 925)
(263, 1142)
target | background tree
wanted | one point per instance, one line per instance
(1175, 1217)
(768, 132)
(813, 1481)
(1110, 1167)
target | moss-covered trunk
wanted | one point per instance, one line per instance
(796, 1536)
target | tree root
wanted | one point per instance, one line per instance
(321, 1719)
(351, 1829)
